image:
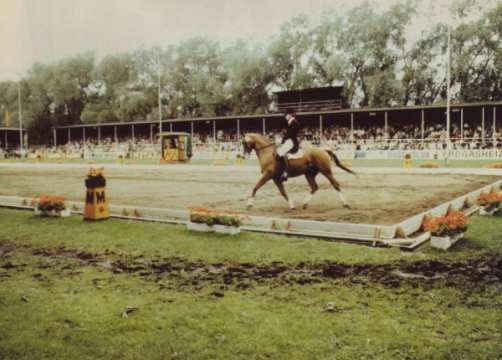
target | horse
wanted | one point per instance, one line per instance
(313, 162)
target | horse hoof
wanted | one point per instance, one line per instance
(346, 206)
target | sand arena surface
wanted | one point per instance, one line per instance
(375, 198)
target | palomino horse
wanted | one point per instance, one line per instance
(313, 162)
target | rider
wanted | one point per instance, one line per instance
(290, 143)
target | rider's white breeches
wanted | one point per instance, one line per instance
(284, 148)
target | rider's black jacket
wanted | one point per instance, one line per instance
(292, 130)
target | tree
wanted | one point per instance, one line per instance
(363, 49)
(290, 54)
(198, 79)
(477, 54)
(424, 74)
(249, 78)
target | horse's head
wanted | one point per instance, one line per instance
(248, 143)
(253, 141)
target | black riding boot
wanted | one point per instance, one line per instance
(284, 176)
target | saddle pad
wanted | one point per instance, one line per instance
(296, 155)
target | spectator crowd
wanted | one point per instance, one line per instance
(406, 137)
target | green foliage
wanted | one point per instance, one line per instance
(366, 50)
(215, 219)
(60, 307)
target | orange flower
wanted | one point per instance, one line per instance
(490, 199)
(452, 223)
(50, 199)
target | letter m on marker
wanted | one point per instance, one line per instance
(100, 197)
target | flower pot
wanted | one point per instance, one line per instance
(445, 242)
(201, 227)
(484, 212)
(225, 229)
(53, 213)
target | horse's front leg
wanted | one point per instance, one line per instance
(280, 186)
(265, 177)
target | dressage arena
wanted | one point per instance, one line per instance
(378, 196)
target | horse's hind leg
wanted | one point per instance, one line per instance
(313, 188)
(280, 186)
(336, 185)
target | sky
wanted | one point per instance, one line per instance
(49, 30)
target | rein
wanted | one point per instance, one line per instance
(264, 147)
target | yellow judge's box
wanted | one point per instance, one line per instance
(96, 201)
(176, 147)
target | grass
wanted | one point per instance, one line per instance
(57, 308)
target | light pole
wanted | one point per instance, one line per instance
(159, 100)
(20, 113)
(448, 79)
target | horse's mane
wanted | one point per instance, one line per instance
(260, 137)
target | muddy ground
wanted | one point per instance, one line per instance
(374, 198)
(174, 273)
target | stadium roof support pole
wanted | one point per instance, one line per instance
(320, 128)
(69, 135)
(494, 125)
(54, 136)
(115, 132)
(6, 142)
(386, 126)
(191, 129)
(462, 123)
(214, 130)
(238, 129)
(132, 131)
(83, 134)
(422, 125)
(170, 127)
(151, 132)
(352, 126)
(483, 125)
(99, 134)
(263, 125)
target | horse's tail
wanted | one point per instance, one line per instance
(338, 162)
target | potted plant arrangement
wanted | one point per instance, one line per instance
(489, 203)
(51, 205)
(446, 230)
(208, 220)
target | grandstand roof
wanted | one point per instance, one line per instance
(10, 129)
(275, 115)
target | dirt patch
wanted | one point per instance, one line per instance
(374, 198)
(180, 274)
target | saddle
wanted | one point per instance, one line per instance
(296, 155)
(284, 163)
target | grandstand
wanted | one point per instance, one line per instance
(9, 137)
(356, 132)
(313, 99)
